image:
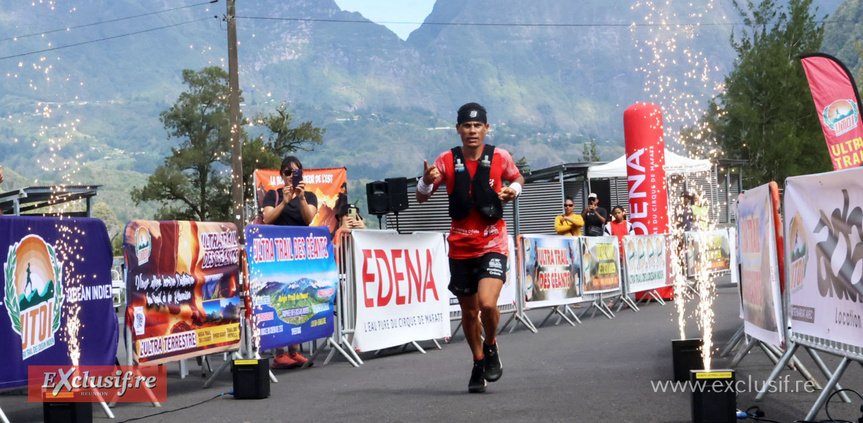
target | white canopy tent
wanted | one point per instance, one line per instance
(674, 164)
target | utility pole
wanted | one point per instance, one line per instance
(236, 139)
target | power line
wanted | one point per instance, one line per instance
(101, 39)
(505, 24)
(104, 22)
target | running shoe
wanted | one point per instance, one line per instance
(299, 358)
(284, 361)
(493, 367)
(477, 382)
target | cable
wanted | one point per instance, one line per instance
(104, 22)
(101, 39)
(178, 409)
(754, 413)
(827, 404)
(270, 18)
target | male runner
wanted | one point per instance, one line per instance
(473, 174)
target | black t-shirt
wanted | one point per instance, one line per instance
(291, 215)
(591, 220)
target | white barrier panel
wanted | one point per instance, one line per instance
(600, 261)
(823, 225)
(552, 270)
(645, 258)
(506, 299)
(400, 287)
(762, 301)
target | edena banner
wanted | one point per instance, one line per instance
(401, 288)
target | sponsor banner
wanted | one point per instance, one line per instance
(837, 103)
(400, 289)
(55, 306)
(708, 251)
(645, 262)
(552, 270)
(508, 292)
(97, 383)
(293, 278)
(329, 185)
(645, 169)
(600, 262)
(823, 219)
(762, 301)
(182, 297)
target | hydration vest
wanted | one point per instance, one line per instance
(484, 198)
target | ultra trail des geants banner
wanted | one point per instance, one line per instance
(55, 305)
(400, 289)
(181, 288)
(293, 278)
(552, 269)
(823, 223)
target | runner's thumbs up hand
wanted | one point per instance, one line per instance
(430, 173)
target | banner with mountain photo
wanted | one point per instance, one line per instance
(182, 291)
(823, 218)
(293, 279)
(837, 103)
(759, 259)
(55, 305)
(329, 185)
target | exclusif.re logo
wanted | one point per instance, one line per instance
(34, 293)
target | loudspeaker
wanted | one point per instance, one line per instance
(251, 378)
(398, 190)
(67, 412)
(378, 197)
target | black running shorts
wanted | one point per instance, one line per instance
(466, 274)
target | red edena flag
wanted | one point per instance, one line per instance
(838, 105)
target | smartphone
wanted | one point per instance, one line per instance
(296, 177)
(352, 211)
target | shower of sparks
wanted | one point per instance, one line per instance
(678, 79)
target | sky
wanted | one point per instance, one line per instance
(388, 12)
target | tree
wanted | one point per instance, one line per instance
(267, 150)
(191, 185)
(588, 151)
(194, 182)
(103, 212)
(765, 114)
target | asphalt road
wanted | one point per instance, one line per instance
(605, 370)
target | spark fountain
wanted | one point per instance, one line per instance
(674, 75)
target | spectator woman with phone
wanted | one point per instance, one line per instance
(292, 206)
(296, 207)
